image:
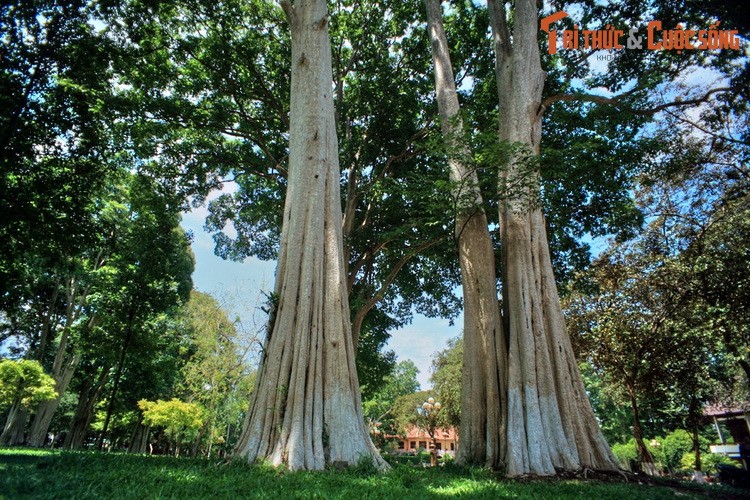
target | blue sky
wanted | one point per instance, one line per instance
(238, 286)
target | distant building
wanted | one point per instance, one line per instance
(446, 441)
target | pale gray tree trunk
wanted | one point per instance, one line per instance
(550, 420)
(483, 383)
(306, 408)
(15, 425)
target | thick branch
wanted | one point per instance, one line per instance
(500, 32)
(362, 260)
(288, 9)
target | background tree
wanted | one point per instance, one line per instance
(401, 382)
(406, 413)
(379, 410)
(447, 381)
(53, 77)
(627, 331)
(637, 323)
(217, 370)
(149, 276)
(23, 383)
(177, 417)
(54, 150)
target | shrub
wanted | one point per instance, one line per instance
(626, 453)
(709, 461)
(671, 449)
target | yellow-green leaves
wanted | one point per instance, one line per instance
(175, 416)
(24, 381)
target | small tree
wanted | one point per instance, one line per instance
(447, 370)
(178, 418)
(379, 409)
(23, 384)
(24, 381)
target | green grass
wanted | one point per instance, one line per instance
(52, 474)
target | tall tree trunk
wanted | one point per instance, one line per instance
(139, 438)
(644, 455)
(84, 414)
(46, 410)
(118, 375)
(483, 383)
(65, 363)
(46, 329)
(15, 425)
(697, 449)
(306, 408)
(62, 371)
(550, 420)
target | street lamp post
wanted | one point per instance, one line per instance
(429, 411)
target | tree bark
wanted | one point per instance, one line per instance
(139, 438)
(15, 425)
(84, 414)
(46, 409)
(46, 329)
(484, 377)
(62, 371)
(118, 375)
(644, 455)
(13, 431)
(550, 420)
(306, 408)
(697, 449)
(65, 363)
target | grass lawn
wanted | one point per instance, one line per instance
(35, 474)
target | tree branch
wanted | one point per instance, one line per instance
(706, 131)
(288, 9)
(378, 296)
(616, 101)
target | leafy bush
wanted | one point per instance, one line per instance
(626, 454)
(668, 451)
(422, 457)
(709, 461)
(671, 449)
